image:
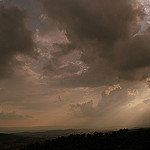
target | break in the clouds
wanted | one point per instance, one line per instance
(106, 34)
(15, 39)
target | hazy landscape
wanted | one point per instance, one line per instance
(74, 139)
(19, 140)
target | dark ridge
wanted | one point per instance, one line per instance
(123, 139)
(16, 141)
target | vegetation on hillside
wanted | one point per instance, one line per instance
(123, 139)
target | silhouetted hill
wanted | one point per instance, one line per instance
(123, 139)
(16, 141)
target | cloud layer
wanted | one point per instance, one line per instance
(12, 116)
(94, 55)
(106, 34)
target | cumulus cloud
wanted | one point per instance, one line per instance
(83, 110)
(93, 20)
(106, 32)
(15, 39)
(107, 104)
(116, 109)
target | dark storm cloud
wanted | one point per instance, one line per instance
(105, 31)
(134, 53)
(98, 20)
(14, 38)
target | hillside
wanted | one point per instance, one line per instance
(121, 140)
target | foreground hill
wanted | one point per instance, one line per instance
(121, 140)
(16, 141)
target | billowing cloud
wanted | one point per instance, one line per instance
(106, 34)
(94, 21)
(15, 39)
(116, 109)
(83, 110)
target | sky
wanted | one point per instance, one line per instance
(75, 63)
